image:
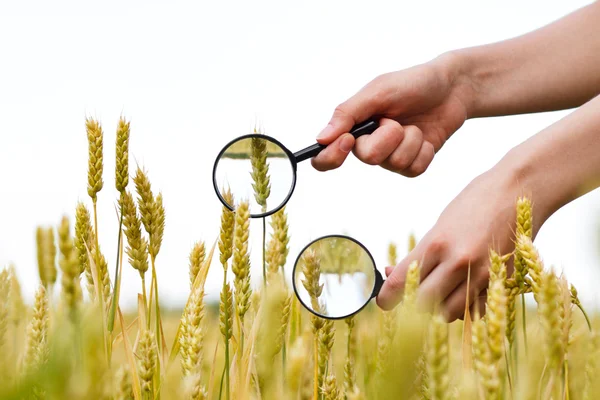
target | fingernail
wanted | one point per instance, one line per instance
(325, 132)
(346, 143)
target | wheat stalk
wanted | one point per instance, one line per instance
(17, 305)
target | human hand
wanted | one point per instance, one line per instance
(421, 107)
(481, 217)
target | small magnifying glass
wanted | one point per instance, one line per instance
(260, 169)
(335, 277)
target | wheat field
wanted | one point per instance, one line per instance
(258, 342)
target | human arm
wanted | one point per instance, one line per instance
(554, 167)
(554, 67)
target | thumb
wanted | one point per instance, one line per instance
(356, 109)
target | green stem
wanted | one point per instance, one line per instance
(316, 369)
(116, 288)
(221, 385)
(523, 311)
(227, 368)
(566, 380)
(145, 298)
(226, 345)
(587, 318)
(100, 293)
(283, 359)
(241, 338)
(156, 305)
(264, 251)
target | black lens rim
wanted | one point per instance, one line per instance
(289, 155)
(375, 272)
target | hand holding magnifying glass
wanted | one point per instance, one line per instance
(243, 161)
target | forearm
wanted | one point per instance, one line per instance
(559, 164)
(555, 67)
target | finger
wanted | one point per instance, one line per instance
(478, 306)
(373, 149)
(356, 109)
(404, 155)
(421, 162)
(388, 271)
(453, 307)
(442, 281)
(335, 154)
(393, 288)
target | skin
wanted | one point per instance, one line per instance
(552, 68)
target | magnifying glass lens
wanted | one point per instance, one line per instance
(334, 277)
(257, 169)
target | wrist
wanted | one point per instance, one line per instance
(454, 66)
(521, 173)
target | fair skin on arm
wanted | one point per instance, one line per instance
(419, 108)
(554, 167)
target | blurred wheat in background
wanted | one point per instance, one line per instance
(258, 342)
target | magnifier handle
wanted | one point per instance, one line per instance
(357, 131)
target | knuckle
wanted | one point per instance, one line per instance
(342, 111)
(396, 282)
(463, 259)
(370, 156)
(400, 162)
(437, 245)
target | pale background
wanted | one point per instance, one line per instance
(193, 75)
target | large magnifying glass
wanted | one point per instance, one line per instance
(260, 169)
(335, 277)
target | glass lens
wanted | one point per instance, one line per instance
(334, 277)
(257, 170)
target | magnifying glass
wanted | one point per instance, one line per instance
(335, 277)
(260, 169)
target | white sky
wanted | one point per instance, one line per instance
(193, 75)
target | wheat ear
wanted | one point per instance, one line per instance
(192, 334)
(392, 254)
(123, 386)
(241, 259)
(36, 341)
(437, 359)
(260, 171)
(4, 316)
(84, 243)
(122, 155)
(71, 289)
(147, 362)
(197, 256)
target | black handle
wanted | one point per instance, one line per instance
(378, 283)
(357, 131)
